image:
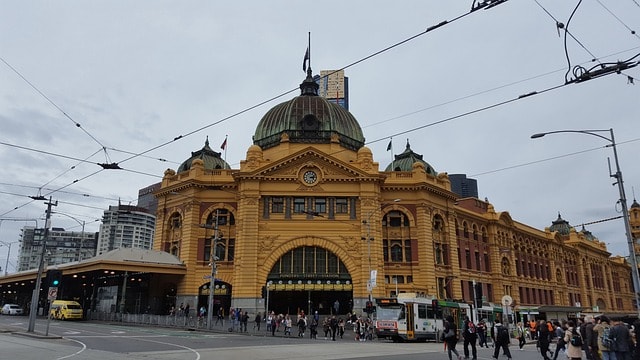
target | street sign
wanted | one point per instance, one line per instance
(53, 293)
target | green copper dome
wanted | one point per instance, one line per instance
(405, 161)
(211, 159)
(560, 225)
(309, 118)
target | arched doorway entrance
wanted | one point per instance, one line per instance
(221, 296)
(310, 278)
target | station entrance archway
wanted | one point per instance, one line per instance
(309, 279)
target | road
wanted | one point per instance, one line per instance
(109, 341)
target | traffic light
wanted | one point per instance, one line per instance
(369, 308)
(54, 277)
(435, 306)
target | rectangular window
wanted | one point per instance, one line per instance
(385, 250)
(407, 250)
(298, 205)
(342, 206)
(396, 250)
(320, 205)
(277, 205)
(231, 249)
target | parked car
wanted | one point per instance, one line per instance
(11, 309)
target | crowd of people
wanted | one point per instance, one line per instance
(591, 338)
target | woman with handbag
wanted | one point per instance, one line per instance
(451, 337)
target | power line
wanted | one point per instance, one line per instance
(487, 4)
(77, 124)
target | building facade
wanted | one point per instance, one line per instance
(61, 247)
(126, 226)
(310, 219)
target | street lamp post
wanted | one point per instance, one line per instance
(82, 223)
(6, 265)
(623, 203)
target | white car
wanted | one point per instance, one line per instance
(11, 309)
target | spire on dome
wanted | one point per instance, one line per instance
(308, 87)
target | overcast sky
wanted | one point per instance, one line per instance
(137, 74)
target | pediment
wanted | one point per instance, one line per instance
(289, 168)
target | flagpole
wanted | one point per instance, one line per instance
(225, 148)
(309, 47)
(393, 158)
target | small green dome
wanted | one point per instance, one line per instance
(211, 159)
(405, 161)
(309, 118)
(587, 234)
(560, 225)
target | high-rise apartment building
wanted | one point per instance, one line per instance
(126, 226)
(61, 247)
(334, 86)
(463, 186)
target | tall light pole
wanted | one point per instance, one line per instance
(623, 203)
(6, 265)
(80, 222)
(36, 291)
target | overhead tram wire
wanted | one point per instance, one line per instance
(633, 32)
(77, 124)
(60, 191)
(488, 90)
(551, 158)
(71, 168)
(486, 4)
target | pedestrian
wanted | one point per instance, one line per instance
(336, 307)
(450, 337)
(186, 310)
(244, 320)
(591, 343)
(302, 325)
(258, 321)
(470, 337)
(481, 329)
(574, 350)
(341, 327)
(313, 329)
(623, 340)
(326, 327)
(274, 324)
(636, 332)
(287, 326)
(333, 324)
(603, 329)
(560, 344)
(520, 335)
(501, 339)
(544, 338)
(220, 317)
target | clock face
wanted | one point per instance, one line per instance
(310, 177)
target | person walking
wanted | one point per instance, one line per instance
(623, 340)
(450, 334)
(520, 335)
(481, 329)
(501, 339)
(544, 338)
(574, 347)
(333, 324)
(470, 337)
(258, 321)
(591, 343)
(603, 329)
(560, 343)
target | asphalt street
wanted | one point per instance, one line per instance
(106, 341)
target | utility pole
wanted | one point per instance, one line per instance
(36, 291)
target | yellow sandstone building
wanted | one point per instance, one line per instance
(309, 217)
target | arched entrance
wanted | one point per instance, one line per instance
(221, 296)
(310, 278)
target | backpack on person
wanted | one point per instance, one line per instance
(471, 328)
(503, 335)
(576, 339)
(607, 339)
